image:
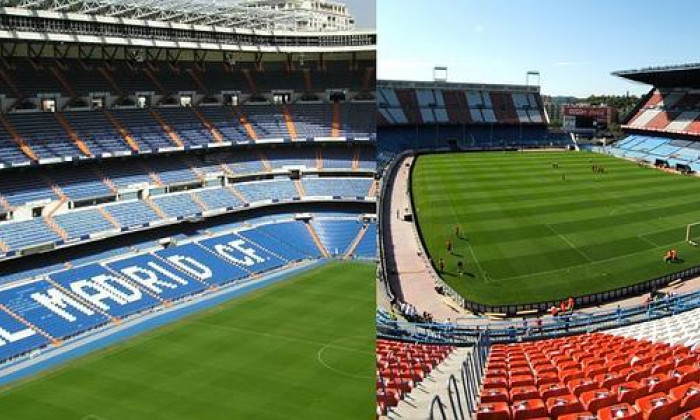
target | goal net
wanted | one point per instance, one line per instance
(692, 233)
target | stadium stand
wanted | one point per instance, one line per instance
(425, 115)
(61, 303)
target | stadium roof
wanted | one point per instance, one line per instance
(684, 75)
(444, 85)
(252, 14)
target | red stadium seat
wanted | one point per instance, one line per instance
(596, 399)
(658, 406)
(565, 404)
(492, 395)
(528, 409)
(493, 411)
(622, 411)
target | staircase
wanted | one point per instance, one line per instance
(307, 80)
(198, 201)
(300, 188)
(24, 147)
(5, 204)
(215, 133)
(79, 143)
(151, 174)
(245, 123)
(110, 80)
(64, 83)
(105, 180)
(109, 218)
(157, 210)
(355, 242)
(356, 159)
(150, 76)
(317, 240)
(197, 81)
(416, 404)
(53, 340)
(289, 122)
(122, 131)
(265, 162)
(55, 227)
(174, 137)
(335, 124)
(3, 247)
(238, 194)
(249, 79)
(8, 81)
(82, 301)
(319, 159)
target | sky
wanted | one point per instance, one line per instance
(574, 44)
(363, 11)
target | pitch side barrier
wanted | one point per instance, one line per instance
(463, 331)
(47, 311)
(511, 310)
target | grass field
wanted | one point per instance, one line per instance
(531, 236)
(300, 349)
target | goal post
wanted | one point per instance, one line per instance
(692, 233)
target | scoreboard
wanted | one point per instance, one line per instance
(581, 119)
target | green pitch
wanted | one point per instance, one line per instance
(302, 349)
(532, 236)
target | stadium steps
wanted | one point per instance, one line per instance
(198, 201)
(415, 404)
(64, 82)
(23, 321)
(79, 143)
(197, 80)
(355, 242)
(317, 240)
(128, 139)
(215, 133)
(4, 247)
(289, 122)
(197, 172)
(356, 159)
(300, 188)
(157, 210)
(172, 134)
(153, 79)
(238, 194)
(249, 78)
(335, 123)
(8, 81)
(152, 174)
(58, 205)
(110, 80)
(240, 116)
(105, 180)
(82, 301)
(5, 204)
(319, 159)
(14, 135)
(50, 222)
(307, 80)
(373, 188)
(55, 188)
(265, 162)
(109, 218)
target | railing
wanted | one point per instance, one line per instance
(463, 393)
(463, 331)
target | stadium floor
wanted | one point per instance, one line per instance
(532, 236)
(302, 348)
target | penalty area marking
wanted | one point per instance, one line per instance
(332, 344)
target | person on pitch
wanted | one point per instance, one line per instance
(448, 245)
(457, 231)
(460, 268)
(441, 265)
